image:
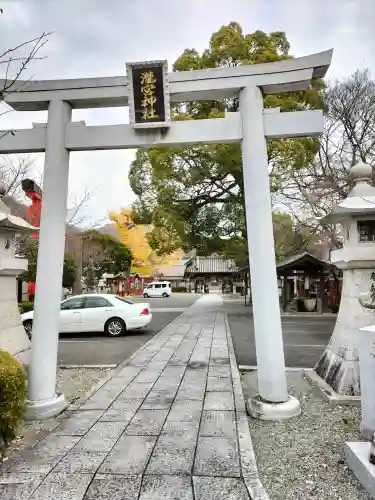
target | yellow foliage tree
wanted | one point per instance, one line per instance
(145, 260)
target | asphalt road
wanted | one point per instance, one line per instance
(305, 338)
(97, 349)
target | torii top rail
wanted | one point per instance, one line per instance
(211, 84)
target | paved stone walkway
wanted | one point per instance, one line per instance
(169, 425)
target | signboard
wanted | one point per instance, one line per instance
(149, 105)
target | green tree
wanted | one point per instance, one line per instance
(194, 196)
(69, 272)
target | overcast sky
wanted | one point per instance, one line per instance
(97, 37)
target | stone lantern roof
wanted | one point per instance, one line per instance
(360, 199)
(12, 222)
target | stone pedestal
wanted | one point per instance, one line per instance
(357, 458)
(13, 338)
(366, 350)
(339, 365)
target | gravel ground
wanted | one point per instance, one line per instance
(74, 383)
(304, 458)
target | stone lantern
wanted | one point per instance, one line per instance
(13, 337)
(339, 366)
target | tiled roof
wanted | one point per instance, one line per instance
(175, 271)
(211, 265)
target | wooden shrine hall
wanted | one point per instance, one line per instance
(309, 284)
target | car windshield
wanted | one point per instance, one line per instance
(124, 300)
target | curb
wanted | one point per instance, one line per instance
(247, 455)
(329, 394)
(89, 367)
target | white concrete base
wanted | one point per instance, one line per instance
(328, 394)
(357, 458)
(42, 410)
(273, 411)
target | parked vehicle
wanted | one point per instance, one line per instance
(158, 289)
(96, 313)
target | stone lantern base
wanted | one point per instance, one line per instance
(13, 338)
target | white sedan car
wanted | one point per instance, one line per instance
(96, 313)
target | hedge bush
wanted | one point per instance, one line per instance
(12, 397)
(25, 307)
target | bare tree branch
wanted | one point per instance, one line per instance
(13, 64)
(309, 193)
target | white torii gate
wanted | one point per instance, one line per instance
(251, 126)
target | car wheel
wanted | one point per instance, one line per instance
(145, 295)
(165, 295)
(28, 326)
(115, 327)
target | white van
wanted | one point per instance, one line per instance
(158, 289)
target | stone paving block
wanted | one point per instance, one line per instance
(101, 437)
(121, 415)
(219, 401)
(100, 401)
(141, 359)
(219, 371)
(219, 384)
(180, 360)
(113, 487)
(160, 400)
(184, 328)
(19, 486)
(156, 366)
(59, 486)
(217, 456)
(174, 372)
(172, 453)
(129, 456)
(219, 361)
(197, 365)
(136, 390)
(147, 423)
(79, 423)
(213, 488)
(194, 392)
(124, 405)
(167, 384)
(43, 457)
(186, 430)
(218, 424)
(164, 354)
(81, 462)
(129, 372)
(147, 375)
(194, 375)
(166, 488)
(185, 411)
(116, 384)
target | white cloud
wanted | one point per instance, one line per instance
(96, 38)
